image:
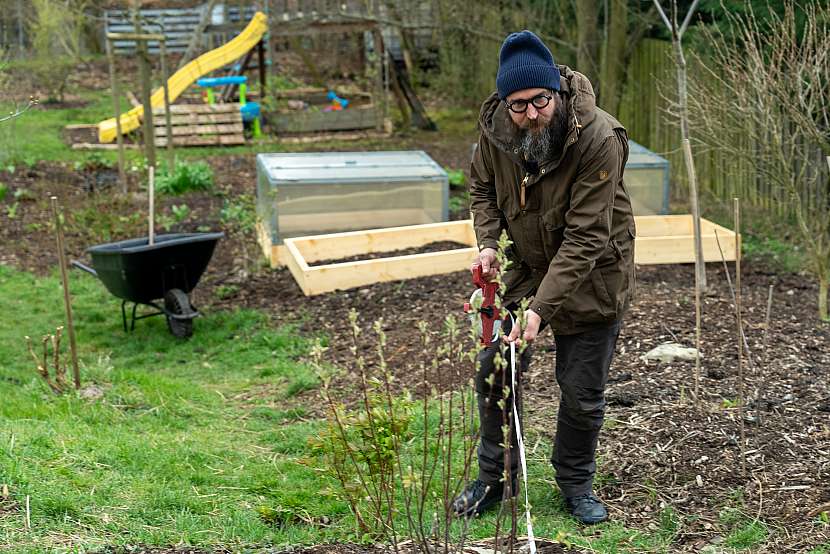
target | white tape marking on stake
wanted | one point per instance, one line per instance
(531, 541)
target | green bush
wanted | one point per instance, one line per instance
(185, 177)
(456, 177)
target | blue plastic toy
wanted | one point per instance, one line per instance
(250, 110)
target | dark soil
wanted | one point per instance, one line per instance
(542, 546)
(436, 246)
(657, 448)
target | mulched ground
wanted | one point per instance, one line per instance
(657, 449)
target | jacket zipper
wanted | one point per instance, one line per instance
(522, 191)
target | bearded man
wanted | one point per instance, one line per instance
(548, 170)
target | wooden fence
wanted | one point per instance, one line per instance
(645, 111)
(178, 25)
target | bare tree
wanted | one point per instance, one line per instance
(764, 100)
(680, 60)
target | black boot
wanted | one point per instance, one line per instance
(477, 497)
(587, 508)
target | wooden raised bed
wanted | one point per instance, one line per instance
(360, 114)
(662, 239)
(350, 119)
(669, 239)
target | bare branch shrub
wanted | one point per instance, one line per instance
(399, 465)
(55, 377)
(763, 98)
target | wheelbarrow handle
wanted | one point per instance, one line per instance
(86, 268)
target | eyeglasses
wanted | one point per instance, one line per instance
(520, 106)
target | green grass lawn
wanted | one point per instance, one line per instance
(188, 443)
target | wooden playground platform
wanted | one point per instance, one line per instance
(200, 125)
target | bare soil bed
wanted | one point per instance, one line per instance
(437, 246)
(657, 449)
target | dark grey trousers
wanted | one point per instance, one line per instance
(582, 363)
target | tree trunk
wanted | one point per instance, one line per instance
(587, 22)
(614, 59)
(823, 285)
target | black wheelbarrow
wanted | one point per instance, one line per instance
(143, 273)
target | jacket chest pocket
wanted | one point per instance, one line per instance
(507, 196)
(552, 229)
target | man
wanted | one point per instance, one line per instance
(548, 169)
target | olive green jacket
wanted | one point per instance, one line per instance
(570, 223)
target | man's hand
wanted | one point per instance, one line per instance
(532, 323)
(488, 262)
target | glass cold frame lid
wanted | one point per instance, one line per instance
(350, 167)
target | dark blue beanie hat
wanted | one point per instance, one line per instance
(525, 62)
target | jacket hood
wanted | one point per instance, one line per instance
(496, 125)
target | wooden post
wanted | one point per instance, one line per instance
(151, 190)
(76, 374)
(171, 157)
(700, 267)
(262, 78)
(122, 174)
(144, 74)
(739, 320)
(382, 64)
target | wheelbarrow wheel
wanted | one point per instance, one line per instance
(177, 302)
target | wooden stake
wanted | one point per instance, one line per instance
(151, 189)
(171, 160)
(144, 73)
(739, 324)
(70, 326)
(122, 174)
(380, 66)
(763, 370)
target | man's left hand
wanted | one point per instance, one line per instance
(532, 323)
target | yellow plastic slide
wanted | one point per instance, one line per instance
(186, 76)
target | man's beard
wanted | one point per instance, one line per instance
(540, 142)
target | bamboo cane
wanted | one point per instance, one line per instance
(70, 326)
(739, 323)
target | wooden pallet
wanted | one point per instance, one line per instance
(661, 239)
(200, 125)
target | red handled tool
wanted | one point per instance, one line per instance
(490, 320)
